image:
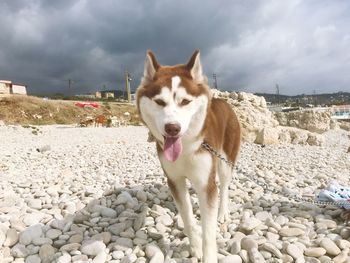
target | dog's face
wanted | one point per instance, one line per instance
(172, 102)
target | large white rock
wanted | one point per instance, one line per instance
(46, 253)
(267, 136)
(30, 233)
(92, 247)
(11, 237)
(311, 120)
(329, 245)
(261, 126)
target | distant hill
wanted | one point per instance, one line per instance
(337, 98)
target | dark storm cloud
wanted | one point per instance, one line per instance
(251, 45)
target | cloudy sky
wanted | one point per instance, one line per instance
(302, 45)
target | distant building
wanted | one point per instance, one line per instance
(98, 94)
(108, 95)
(19, 89)
(88, 96)
(7, 87)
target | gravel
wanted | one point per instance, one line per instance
(99, 195)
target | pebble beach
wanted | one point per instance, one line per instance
(71, 194)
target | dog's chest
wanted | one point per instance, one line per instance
(192, 166)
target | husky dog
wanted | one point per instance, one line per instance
(176, 105)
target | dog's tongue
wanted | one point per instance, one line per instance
(172, 148)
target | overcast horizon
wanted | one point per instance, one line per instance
(303, 46)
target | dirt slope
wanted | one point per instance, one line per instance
(27, 110)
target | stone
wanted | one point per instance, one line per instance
(329, 223)
(140, 220)
(108, 212)
(315, 252)
(263, 215)
(255, 256)
(281, 220)
(287, 259)
(92, 247)
(80, 218)
(33, 259)
(267, 136)
(124, 198)
(154, 254)
(342, 243)
(141, 196)
(77, 238)
(101, 257)
(59, 224)
(38, 241)
(70, 247)
(312, 260)
(123, 243)
(46, 253)
(329, 245)
(248, 243)
(117, 228)
(271, 248)
(34, 203)
(342, 257)
(231, 259)
(29, 234)
(65, 258)
(53, 233)
(105, 237)
(19, 251)
(155, 235)
(2, 237)
(294, 251)
(118, 254)
(129, 259)
(32, 249)
(272, 237)
(250, 223)
(235, 247)
(12, 237)
(32, 219)
(165, 220)
(291, 232)
(80, 258)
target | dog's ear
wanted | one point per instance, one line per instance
(151, 67)
(195, 67)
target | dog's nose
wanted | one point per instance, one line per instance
(172, 129)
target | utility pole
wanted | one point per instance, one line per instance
(315, 97)
(215, 81)
(278, 93)
(127, 84)
(70, 83)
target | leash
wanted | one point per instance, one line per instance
(284, 192)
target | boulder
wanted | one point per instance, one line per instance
(261, 126)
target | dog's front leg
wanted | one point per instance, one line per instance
(208, 204)
(183, 203)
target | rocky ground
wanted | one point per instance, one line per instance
(98, 195)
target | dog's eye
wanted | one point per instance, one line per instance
(185, 102)
(160, 102)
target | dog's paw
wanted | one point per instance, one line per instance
(224, 216)
(196, 242)
(196, 247)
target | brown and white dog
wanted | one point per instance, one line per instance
(176, 105)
